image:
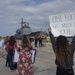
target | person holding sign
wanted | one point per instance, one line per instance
(64, 53)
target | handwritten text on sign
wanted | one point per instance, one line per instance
(63, 24)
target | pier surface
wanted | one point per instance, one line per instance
(44, 64)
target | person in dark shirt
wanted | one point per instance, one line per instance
(10, 48)
(36, 40)
(64, 53)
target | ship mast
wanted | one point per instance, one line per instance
(21, 22)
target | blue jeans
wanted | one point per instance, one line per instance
(7, 61)
(10, 61)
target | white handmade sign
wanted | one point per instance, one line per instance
(63, 24)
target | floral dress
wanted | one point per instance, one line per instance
(24, 66)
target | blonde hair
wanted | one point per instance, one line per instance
(6, 40)
(25, 41)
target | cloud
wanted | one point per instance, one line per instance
(36, 12)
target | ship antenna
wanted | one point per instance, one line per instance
(21, 22)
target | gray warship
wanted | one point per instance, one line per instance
(24, 30)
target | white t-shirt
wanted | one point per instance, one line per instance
(1, 43)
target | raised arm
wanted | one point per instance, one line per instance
(73, 44)
(51, 38)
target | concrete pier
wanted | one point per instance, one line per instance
(44, 64)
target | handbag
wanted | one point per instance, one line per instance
(33, 52)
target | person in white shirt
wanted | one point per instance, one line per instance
(1, 46)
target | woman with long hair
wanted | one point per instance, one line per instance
(24, 66)
(10, 47)
(64, 53)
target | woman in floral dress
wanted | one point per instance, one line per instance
(24, 66)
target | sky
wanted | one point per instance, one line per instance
(36, 12)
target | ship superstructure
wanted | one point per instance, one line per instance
(25, 29)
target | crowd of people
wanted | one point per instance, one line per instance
(24, 64)
(64, 52)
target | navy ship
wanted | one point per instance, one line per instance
(24, 30)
